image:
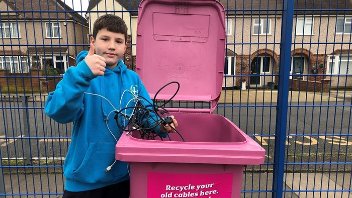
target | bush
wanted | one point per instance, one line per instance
(51, 72)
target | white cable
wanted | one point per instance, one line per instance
(134, 98)
(129, 91)
(115, 109)
(101, 97)
(107, 125)
(133, 111)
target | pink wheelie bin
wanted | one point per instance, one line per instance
(184, 41)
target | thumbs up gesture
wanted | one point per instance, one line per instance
(95, 62)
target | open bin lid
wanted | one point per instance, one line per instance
(183, 41)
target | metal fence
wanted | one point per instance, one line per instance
(287, 84)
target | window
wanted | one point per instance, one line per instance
(47, 62)
(56, 61)
(266, 64)
(339, 65)
(230, 65)
(344, 25)
(345, 64)
(304, 26)
(262, 64)
(60, 64)
(9, 30)
(228, 26)
(53, 30)
(15, 64)
(261, 26)
(35, 62)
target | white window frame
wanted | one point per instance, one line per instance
(262, 64)
(54, 59)
(260, 24)
(229, 26)
(17, 64)
(307, 23)
(64, 60)
(344, 24)
(13, 27)
(336, 63)
(229, 65)
(57, 25)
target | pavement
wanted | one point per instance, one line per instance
(270, 96)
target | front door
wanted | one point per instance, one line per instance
(298, 67)
(255, 71)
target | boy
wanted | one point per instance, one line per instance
(90, 167)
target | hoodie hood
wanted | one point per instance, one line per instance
(81, 56)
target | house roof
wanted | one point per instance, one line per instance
(131, 5)
(240, 7)
(38, 9)
(47, 49)
(12, 52)
(92, 4)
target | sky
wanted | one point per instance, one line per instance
(78, 5)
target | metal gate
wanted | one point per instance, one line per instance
(287, 84)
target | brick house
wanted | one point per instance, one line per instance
(320, 49)
(44, 36)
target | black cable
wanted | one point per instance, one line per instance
(163, 87)
(146, 118)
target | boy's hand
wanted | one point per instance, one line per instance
(95, 62)
(170, 126)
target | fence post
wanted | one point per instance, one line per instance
(2, 179)
(26, 129)
(282, 104)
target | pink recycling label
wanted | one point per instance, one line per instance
(162, 185)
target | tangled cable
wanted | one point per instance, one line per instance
(146, 117)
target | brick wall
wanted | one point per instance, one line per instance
(308, 85)
(33, 81)
(128, 59)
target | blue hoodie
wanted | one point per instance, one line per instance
(92, 147)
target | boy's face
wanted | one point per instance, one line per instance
(110, 45)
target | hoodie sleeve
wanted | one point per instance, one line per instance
(65, 104)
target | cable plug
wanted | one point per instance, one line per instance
(108, 169)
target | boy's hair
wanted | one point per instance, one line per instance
(112, 23)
